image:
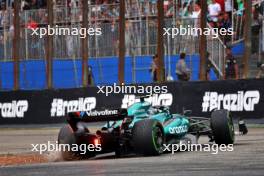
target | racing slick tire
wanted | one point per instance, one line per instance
(67, 136)
(148, 137)
(222, 127)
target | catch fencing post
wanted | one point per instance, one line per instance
(203, 42)
(160, 49)
(122, 46)
(49, 47)
(84, 47)
(16, 42)
(247, 29)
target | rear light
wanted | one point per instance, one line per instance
(96, 141)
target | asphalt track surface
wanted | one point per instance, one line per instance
(247, 159)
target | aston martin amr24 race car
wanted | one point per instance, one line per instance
(141, 129)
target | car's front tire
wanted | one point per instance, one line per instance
(222, 127)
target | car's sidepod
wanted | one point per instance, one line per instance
(177, 126)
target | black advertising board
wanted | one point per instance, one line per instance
(244, 98)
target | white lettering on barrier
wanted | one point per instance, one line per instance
(60, 107)
(240, 101)
(14, 109)
(155, 100)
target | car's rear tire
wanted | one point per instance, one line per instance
(67, 136)
(222, 127)
(148, 137)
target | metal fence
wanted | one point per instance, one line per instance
(141, 36)
(140, 33)
(238, 21)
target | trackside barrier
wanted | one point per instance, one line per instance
(244, 98)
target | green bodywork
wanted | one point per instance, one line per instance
(175, 125)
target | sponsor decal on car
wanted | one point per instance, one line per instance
(137, 111)
(178, 130)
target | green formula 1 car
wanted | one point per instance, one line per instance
(141, 129)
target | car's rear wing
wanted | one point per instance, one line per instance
(97, 116)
